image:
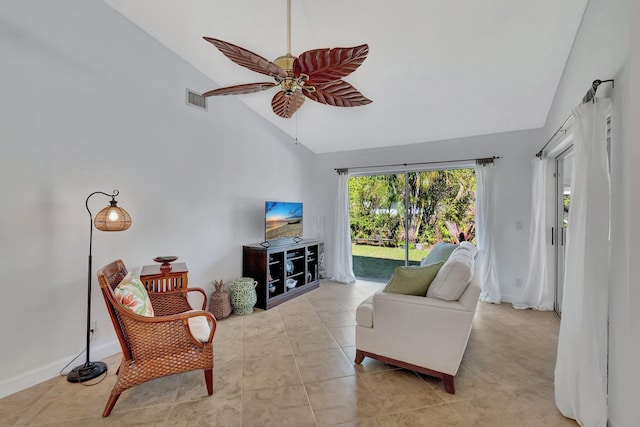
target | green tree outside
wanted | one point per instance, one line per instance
(377, 207)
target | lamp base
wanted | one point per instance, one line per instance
(86, 372)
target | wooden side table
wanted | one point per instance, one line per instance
(156, 280)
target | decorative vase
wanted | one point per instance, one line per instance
(219, 303)
(165, 262)
(243, 295)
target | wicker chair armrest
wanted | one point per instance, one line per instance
(195, 313)
(210, 317)
(160, 335)
(204, 295)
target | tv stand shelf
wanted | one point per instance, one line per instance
(272, 267)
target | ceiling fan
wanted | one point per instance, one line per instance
(316, 74)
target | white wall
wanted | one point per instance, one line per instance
(626, 383)
(601, 51)
(90, 102)
(513, 190)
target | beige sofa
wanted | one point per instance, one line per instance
(425, 334)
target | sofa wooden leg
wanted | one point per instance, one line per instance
(448, 383)
(359, 357)
(208, 378)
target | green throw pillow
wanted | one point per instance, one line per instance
(439, 253)
(412, 280)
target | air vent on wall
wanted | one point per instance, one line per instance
(196, 100)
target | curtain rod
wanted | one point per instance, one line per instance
(589, 96)
(481, 161)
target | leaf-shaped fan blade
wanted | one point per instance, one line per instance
(327, 65)
(240, 89)
(246, 58)
(338, 93)
(285, 106)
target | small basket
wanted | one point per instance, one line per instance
(220, 303)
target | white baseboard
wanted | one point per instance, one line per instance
(50, 370)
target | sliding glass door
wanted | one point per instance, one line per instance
(397, 217)
(378, 224)
(564, 169)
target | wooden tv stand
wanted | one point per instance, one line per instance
(271, 267)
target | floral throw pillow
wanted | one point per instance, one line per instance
(132, 294)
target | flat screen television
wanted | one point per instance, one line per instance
(283, 220)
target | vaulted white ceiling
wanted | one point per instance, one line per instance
(436, 69)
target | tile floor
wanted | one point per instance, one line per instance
(293, 366)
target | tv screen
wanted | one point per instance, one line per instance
(283, 220)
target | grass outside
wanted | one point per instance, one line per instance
(388, 253)
(377, 263)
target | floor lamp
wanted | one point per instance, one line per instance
(111, 218)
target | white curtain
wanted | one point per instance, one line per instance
(538, 289)
(485, 213)
(581, 365)
(343, 271)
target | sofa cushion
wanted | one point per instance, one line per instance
(364, 313)
(412, 280)
(132, 294)
(199, 327)
(454, 276)
(439, 253)
(470, 246)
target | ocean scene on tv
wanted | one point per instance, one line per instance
(283, 220)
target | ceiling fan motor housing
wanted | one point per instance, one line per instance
(289, 84)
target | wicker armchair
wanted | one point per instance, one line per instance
(154, 347)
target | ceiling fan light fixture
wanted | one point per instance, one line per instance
(290, 86)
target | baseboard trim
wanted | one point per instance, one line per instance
(51, 370)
